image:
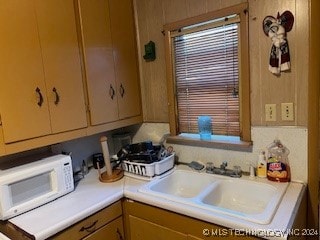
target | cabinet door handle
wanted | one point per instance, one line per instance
(57, 96)
(122, 90)
(119, 234)
(90, 228)
(38, 91)
(111, 92)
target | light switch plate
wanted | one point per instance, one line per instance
(271, 112)
(287, 112)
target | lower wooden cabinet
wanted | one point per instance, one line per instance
(111, 231)
(143, 229)
(145, 222)
(105, 224)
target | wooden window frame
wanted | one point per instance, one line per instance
(245, 143)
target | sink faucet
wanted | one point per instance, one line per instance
(223, 165)
(235, 172)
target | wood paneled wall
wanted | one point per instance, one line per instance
(291, 86)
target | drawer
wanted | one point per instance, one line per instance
(111, 231)
(91, 223)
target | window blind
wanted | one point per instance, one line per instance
(207, 78)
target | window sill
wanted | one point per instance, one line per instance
(218, 142)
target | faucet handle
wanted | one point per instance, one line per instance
(224, 165)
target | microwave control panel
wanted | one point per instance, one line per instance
(68, 176)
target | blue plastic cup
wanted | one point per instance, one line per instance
(205, 127)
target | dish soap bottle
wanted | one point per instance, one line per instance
(278, 168)
(262, 165)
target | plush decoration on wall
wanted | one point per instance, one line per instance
(276, 29)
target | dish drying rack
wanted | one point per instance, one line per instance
(148, 171)
(146, 160)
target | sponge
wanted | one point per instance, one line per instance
(196, 165)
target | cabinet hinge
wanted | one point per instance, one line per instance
(87, 108)
(0, 120)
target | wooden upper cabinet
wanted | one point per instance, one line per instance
(97, 46)
(108, 39)
(40, 53)
(62, 66)
(21, 71)
(125, 57)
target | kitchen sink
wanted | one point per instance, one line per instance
(255, 201)
(184, 184)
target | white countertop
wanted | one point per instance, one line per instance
(3, 237)
(91, 196)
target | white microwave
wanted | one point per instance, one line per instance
(31, 185)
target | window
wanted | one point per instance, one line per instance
(208, 74)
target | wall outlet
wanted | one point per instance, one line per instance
(287, 112)
(271, 112)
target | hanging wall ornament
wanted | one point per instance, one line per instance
(276, 29)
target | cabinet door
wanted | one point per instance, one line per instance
(125, 57)
(62, 67)
(22, 73)
(190, 237)
(141, 229)
(99, 63)
(111, 231)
